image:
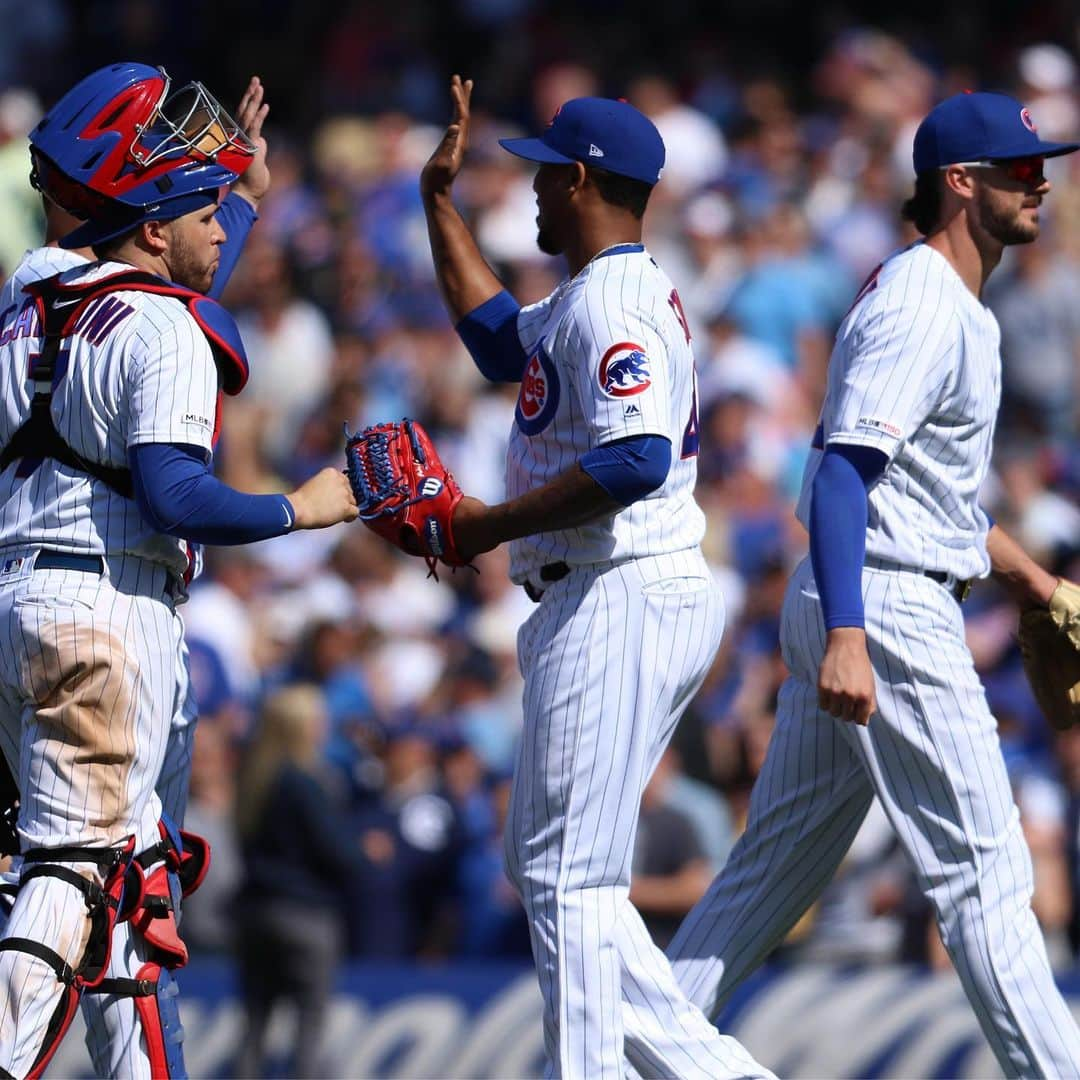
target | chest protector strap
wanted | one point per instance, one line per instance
(38, 437)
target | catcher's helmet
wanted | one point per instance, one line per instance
(119, 149)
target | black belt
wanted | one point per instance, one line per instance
(48, 559)
(960, 589)
(550, 572)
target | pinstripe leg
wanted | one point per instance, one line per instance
(609, 668)
(113, 1029)
(805, 809)
(939, 771)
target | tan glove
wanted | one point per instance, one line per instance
(1050, 647)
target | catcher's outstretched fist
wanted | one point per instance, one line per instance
(324, 500)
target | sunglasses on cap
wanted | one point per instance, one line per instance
(1024, 170)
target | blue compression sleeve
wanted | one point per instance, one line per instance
(236, 216)
(838, 511)
(630, 468)
(179, 496)
(489, 332)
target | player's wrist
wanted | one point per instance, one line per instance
(474, 527)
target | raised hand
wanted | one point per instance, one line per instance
(443, 166)
(250, 114)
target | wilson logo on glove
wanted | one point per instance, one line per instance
(390, 467)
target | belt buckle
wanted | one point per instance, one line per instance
(962, 590)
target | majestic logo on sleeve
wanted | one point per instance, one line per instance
(539, 395)
(624, 370)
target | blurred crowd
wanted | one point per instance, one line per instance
(359, 718)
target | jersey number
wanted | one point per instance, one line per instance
(690, 441)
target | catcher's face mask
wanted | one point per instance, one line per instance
(192, 121)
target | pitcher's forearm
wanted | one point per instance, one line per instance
(464, 277)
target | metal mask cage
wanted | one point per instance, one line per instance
(190, 121)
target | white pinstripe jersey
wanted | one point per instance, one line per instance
(609, 358)
(146, 374)
(916, 372)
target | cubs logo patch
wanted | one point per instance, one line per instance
(539, 395)
(624, 370)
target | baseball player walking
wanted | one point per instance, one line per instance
(604, 535)
(883, 696)
(108, 415)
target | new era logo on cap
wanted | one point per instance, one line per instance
(631, 144)
(980, 127)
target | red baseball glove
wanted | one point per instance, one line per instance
(404, 491)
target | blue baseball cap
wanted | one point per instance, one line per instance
(607, 134)
(980, 127)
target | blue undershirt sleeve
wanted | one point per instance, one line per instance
(236, 216)
(838, 513)
(629, 468)
(490, 334)
(179, 496)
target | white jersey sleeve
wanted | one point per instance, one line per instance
(891, 364)
(174, 385)
(532, 322)
(620, 372)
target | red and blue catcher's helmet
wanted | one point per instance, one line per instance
(121, 148)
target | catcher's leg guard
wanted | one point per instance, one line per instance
(154, 993)
(172, 868)
(47, 873)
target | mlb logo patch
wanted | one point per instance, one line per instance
(11, 566)
(624, 370)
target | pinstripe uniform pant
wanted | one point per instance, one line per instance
(611, 657)
(931, 754)
(89, 681)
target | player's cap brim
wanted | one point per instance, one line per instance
(1041, 149)
(532, 149)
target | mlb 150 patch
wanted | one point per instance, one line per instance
(624, 370)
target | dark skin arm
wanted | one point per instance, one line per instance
(465, 279)
(573, 498)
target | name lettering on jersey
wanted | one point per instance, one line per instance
(676, 305)
(624, 370)
(26, 325)
(877, 424)
(539, 395)
(100, 318)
